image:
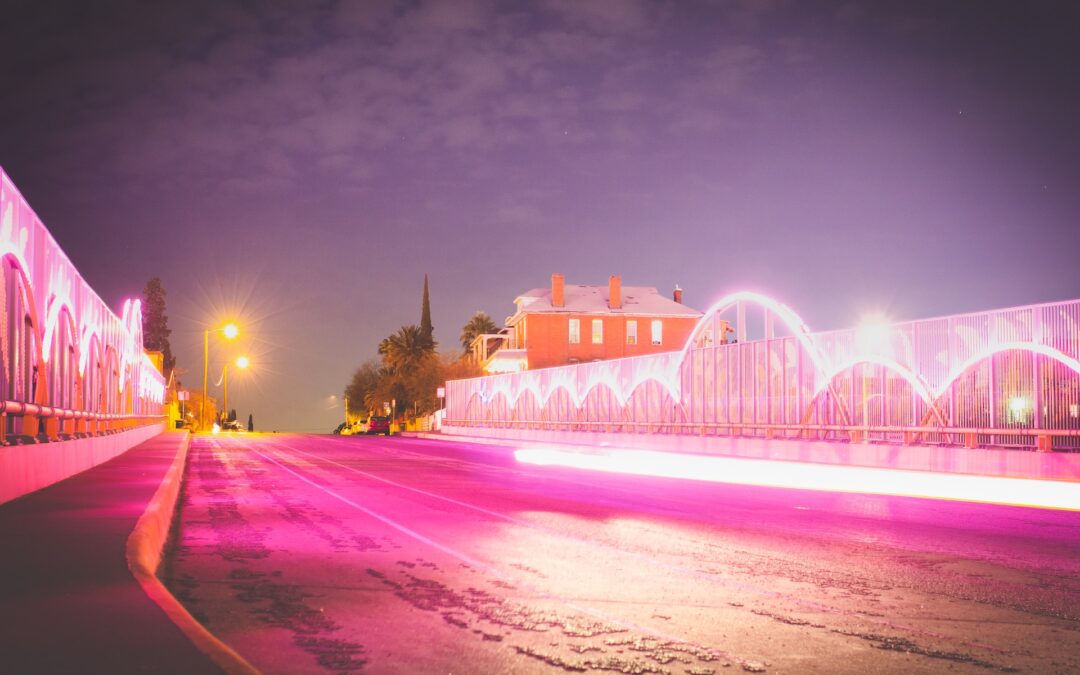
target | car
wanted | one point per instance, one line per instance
(379, 425)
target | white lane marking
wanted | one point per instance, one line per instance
(372, 476)
(641, 557)
(596, 614)
(387, 521)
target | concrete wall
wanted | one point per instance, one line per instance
(26, 468)
(976, 461)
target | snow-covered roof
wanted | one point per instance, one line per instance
(579, 299)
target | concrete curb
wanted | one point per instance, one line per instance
(145, 547)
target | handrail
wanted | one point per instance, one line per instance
(21, 408)
(857, 431)
(101, 422)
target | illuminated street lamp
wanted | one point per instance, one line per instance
(241, 362)
(230, 331)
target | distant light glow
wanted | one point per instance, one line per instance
(820, 477)
(873, 335)
(215, 429)
(1018, 404)
(242, 362)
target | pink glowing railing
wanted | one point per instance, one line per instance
(66, 356)
(1006, 377)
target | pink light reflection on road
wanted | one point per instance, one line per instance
(821, 477)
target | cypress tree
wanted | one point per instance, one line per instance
(156, 323)
(427, 331)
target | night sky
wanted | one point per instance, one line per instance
(302, 169)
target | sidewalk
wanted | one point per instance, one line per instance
(68, 602)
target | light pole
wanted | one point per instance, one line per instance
(241, 362)
(230, 331)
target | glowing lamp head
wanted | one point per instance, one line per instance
(873, 335)
(231, 331)
(243, 362)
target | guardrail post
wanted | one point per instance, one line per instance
(971, 440)
(31, 426)
(1044, 443)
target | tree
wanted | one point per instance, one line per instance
(404, 349)
(194, 409)
(427, 331)
(479, 324)
(251, 422)
(156, 324)
(232, 415)
(364, 382)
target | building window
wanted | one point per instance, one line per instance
(575, 331)
(598, 331)
(631, 332)
(657, 332)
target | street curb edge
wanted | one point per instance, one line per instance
(145, 546)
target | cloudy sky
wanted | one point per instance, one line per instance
(302, 169)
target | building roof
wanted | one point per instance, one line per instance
(579, 299)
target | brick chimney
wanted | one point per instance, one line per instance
(558, 298)
(614, 287)
(677, 294)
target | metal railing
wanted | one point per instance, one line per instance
(72, 423)
(69, 365)
(1007, 377)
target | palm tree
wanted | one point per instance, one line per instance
(479, 324)
(405, 349)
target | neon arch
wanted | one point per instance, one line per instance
(49, 287)
(52, 319)
(786, 315)
(569, 392)
(893, 365)
(1033, 347)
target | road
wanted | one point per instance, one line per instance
(317, 554)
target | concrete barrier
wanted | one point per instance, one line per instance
(26, 468)
(145, 548)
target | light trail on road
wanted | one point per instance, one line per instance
(666, 567)
(506, 567)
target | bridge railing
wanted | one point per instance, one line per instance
(1007, 378)
(70, 366)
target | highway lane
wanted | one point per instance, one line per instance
(313, 554)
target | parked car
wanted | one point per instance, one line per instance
(379, 425)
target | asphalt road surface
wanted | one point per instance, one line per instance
(323, 554)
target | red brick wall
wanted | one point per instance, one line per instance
(548, 338)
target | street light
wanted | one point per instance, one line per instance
(241, 362)
(230, 331)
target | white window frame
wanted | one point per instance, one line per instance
(657, 331)
(598, 331)
(575, 331)
(631, 332)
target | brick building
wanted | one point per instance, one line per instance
(564, 324)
